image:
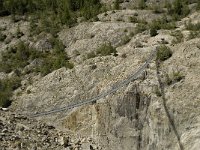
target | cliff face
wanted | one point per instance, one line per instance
(159, 110)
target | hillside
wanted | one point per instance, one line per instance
(107, 75)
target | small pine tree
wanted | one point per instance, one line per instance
(153, 31)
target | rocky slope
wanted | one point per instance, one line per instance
(139, 116)
(20, 132)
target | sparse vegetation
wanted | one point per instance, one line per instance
(55, 60)
(193, 34)
(19, 33)
(157, 91)
(21, 55)
(192, 27)
(103, 50)
(17, 57)
(176, 76)
(106, 49)
(178, 9)
(133, 19)
(163, 53)
(162, 23)
(179, 36)
(168, 80)
(141, 27)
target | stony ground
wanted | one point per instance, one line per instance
(20, 132)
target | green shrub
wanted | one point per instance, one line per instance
(4, 100)
(7, 86)
(133, 19)
(153, 31)
(106, 49)
(163, 53)
(162, 23)
(2, 37)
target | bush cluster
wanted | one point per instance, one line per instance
(163, 23)
(163, 53)
(153, 31)
(103, 50)
(7, 86)
(178, 9)
(106, 49)
(16, 58)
